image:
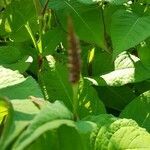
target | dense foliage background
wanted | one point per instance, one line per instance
(102, 105)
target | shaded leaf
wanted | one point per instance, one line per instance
(89, 102)
(12, 58)
(144, 56)
(139, 110)
(51, 39)
(115, 97)
(55, 82)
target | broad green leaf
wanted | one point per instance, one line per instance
(66, 136)
(90, 125)
(84, 17)
(87, 21)
(18, 18)
(144, 55)
(89, 1)
(116, 2)
(108, 12)
(113, 134)
(132, 139)
(101, 120)
(89, 102)
(54, 79)
(142, 87)
(128, 29)
(21, 115)
(85, 128)
(72, 138)
(12, 58)
(14, 86)
(101, 63)
(139, 110)
(145, 1)
(60, 4)
(129, 69)
(51, 117)
(51, 39)
(115, 97)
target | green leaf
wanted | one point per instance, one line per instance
(21, 115)
(108, 12)
(51, 117)
(144, 55)
(87, 21)
(54, 79)
(18, 18)
(60, 4)
(64, 129)
(115, 97)
(129, 69)
(12, 58)
(102, 62)
(85, 128)
(139, 110)
(89, 1)
(89, 102)
(14, 86)
(116, 2)
(50, 40)
(142, 87)
(112, 133)
(128, 29)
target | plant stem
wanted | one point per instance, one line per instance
(31, 35)
(106, 38)
(37, 7)
(75, 100)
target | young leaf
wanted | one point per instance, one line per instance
(113, 133)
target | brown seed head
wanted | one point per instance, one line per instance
(73, 54)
